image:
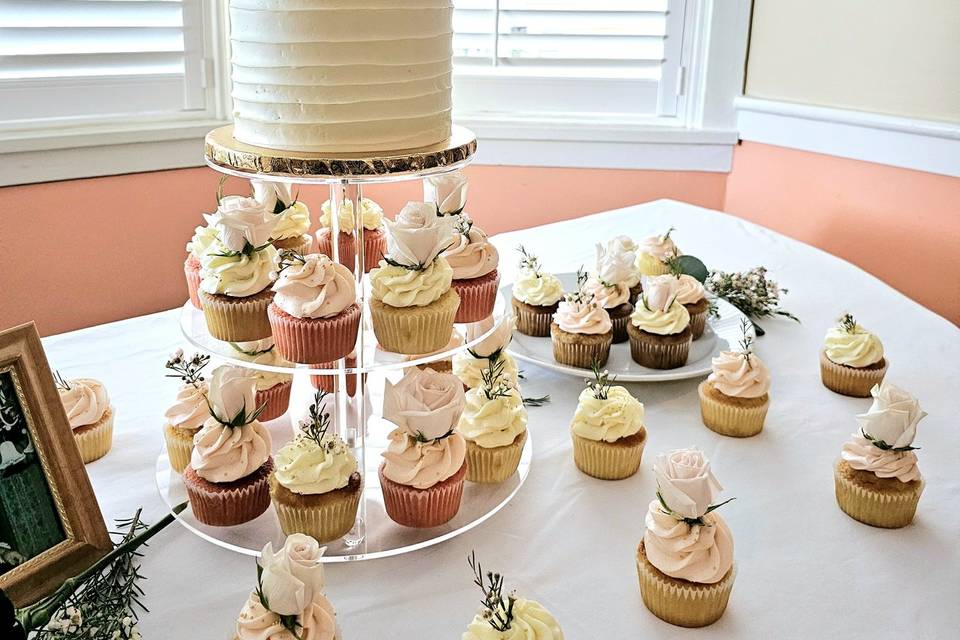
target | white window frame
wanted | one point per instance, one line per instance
(699, 136)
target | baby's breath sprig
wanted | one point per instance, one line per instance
(60, 381)
(315, 426)
(691, 521)
(601, 383)
(529, 261)
(188, 370)
(847, 323)
(497, 611)
(463, 224)
(580, 296)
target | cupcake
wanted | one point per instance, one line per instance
(494, 424)
(877, 479)
(659, 328)
(374, 239)
(624, 245)
(328, 383)
(190, 410)
(444, 365)
(425, 463)
(204, 241)
(685, 559)
(448, 192)
(273, 388)
(734, 397)
(314, 315)
(469, 365)
(227, 478)
(291, 230)
(653, 252)
(852, 360)
(581, 331)
(536, 295)
(507, 617)
(607, 430)
(315, 486)
(475, 277)
(412, 305)
(289, 602)
(609, 288)
(692, 295)
(90, 415)
(235, 284)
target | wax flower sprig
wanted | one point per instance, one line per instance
(847, 323)
(286, 259)
(580, 296)
(746, 342)
(315, 425)
(496, 611)
(494, 386)
(188, 370)
(690, 521)
(60, 381)
(751, 292)
(529, 261)
(601, 383)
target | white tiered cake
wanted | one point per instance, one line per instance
(341, 75)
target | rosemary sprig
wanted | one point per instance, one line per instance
(529, 261)
(496, 611)
(537, 401)
(60, 381)
(248, 250)
(409, 267)
(601, 383)
(847, 323)
(290, 622)
(239, 420)
(880, 444)
(187, 370)
(423, 439)
(691, 521)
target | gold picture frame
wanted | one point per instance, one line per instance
(83, 538)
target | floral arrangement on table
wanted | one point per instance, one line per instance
(751, 292)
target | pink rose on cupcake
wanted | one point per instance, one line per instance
(659, 292)
(424, 402)
(685, 482)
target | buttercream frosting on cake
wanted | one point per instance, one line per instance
(341, 75)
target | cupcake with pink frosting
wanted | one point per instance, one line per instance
(610, 288)
(654, 252)
(685, 559)
(877, 478)
(291, 230)
(190, 410)
(474, 262)
(735, 396)
(227, 478)
(314, 314)
(581, 331)
(371, 221)
(90, 414)
(425, 463)
(289, 602)
(659, 328)
(692, 295)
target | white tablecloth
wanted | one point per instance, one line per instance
(806, 570)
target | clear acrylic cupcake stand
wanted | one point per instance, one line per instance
(356, 416)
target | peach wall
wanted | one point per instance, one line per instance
(82, 252)
(902, 226)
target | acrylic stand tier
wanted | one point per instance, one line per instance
(357, 415)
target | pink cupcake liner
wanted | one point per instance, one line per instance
(277, 399)
(191, 269)
(328, 383)
(477, 296)
(229, 503)
(374, 246)
(423, 508)
(345, 243)
(307, 340)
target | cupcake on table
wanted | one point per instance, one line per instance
(735, 396)
(204, 241)
(685, 559)
(877, 478)
(425, 463)
(507, 617)
(654, 252)
(412, 305)
(315, 486)
(314, 315)
(536, 296)
(235, 285)
(90, 414)
(474, 262)
(627, 249)
(227, 478)
(494, 424)
(292, 217)
(273, 388)
(659, 328)
(471, 364)
(610, 288)
(607, 429)
(581, 330)
(374, 240)
(852, 359)
(288, 602)
(189, 412)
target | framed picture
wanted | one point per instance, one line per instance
(51, 527)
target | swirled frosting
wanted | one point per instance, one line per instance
(618, 416)
(317, 622)
(582, 317)
(672, 321)
(305, 467)
(538, 289)
(689, 290)
(85, 401)
(493, 423)
(863, 455)
(698, 553)
(470, 369)
(262, 352)
(608, 297)
(292, 222)
(237, 275)
(530, 622)
(371, 215)
(204, 241)
(856, 348)
(318, 288)
(422, 464)
(190, 410)
(739, 375)
(224, 454)
(652, 251)
(471, 255)
(401, 287)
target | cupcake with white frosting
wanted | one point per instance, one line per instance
(235, 285)
(610, 288)
(494, 424)
(186, 415)
(273, 388)
(315, 485)
(227, 478)
(536, 296)
(90, 414)
(474, 262)
(469, 365)
(852, 359)
(581, 330)
(653, 253)
(685, 559)
(412, 305)
(314, 315)
(292, 217)
(659, 328)
(735, 396)
(288, 602)
(877, 479)
(693, 297)
(374, 240)
(204, 241)
(425, 464)
(607, 430)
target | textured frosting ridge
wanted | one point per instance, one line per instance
(262, 352)
(582, 317)
(863, 455)
(190, 410)
(618, 416)
(698, 553)
(739, 375)
(531, 621)
(225, 454)
(422, 464)
(471, 255)
(400, 287)
(307, 468)
(493, 423)
(539, 289)
(317, 288)
(85, 401)
(855, 348)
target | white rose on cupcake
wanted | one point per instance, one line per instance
(424, 402)
(271, 193)
(659, 292)
(892, 418)
(613, 267)
(232, 395)
(496, 341)
(418, 235)
(240, 221)
(448, 191)
(293, 577)
(686, 483)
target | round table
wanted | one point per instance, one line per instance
(805, 569)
